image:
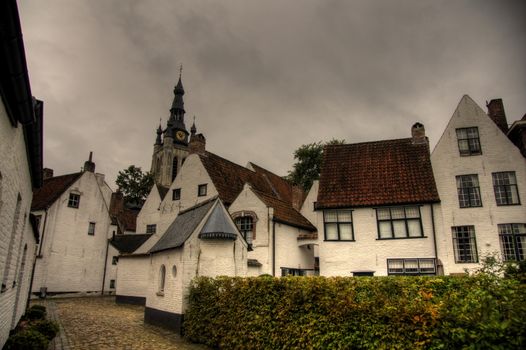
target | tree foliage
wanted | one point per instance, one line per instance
(307, 167)
(134, 184)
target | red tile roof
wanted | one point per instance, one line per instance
(52, 189)
(390, 172)
(229, 179)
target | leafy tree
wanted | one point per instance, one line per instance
(307, 167)
(134, 184)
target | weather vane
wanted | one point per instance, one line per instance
(180, 70)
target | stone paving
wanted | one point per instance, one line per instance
(100, 323)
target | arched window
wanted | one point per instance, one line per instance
(162, 277)
(245, 224)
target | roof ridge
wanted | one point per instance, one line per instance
(64, 175)
(200, 204)
(369, 142)
(229, 161)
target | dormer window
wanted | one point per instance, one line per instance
(468, 141)
(74, 200)
(201, 190)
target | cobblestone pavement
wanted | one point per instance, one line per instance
(100, 323)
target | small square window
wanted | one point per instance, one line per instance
(151, 228)
(176, 194)
(74, 200)
(201, 190)
(112, 284)
(468, 141)
(91, 229)
(115, 260)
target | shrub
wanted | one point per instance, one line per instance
(47, 328)
(35, 314)
(27, 340)
(38, 307)
(481, 311)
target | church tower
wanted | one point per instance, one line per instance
(171, 145)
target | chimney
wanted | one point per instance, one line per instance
(497, 114)
(48, 173)
(197, 144)
(116, 203)
(418, 132)
(297, 197)
(89, 165)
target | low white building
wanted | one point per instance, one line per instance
(481, 179)
(20, 171)
(375, 207)
(74, 221)
(202, 241)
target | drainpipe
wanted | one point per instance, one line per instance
(105, 264)
(434, 233)
(32, 276)
(43, 233)
(273, 248)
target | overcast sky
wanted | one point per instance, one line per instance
(262, 77)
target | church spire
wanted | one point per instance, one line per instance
(158, 140)
(175, 126)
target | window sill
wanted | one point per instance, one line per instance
(472, 206)
(507, 205)
(393, 238)
(466, 262)
(339, 240)
(160, 294)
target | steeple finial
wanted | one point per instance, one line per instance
(180, 71)
(193, 129)
(158, 140)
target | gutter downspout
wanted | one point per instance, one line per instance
(32, 277)
(434, 234)
(273, 248)
(43, 233)
(105, 265)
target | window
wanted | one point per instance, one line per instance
(468, 141)
(162, 275)
(513, 241)
(412, 266)
(464, 244)
(91, 229)
(174, 168)
(176, 194)
(201, 190)
(151, 228)
(399, 222)
(468, 191)
(74, 200)
(112, 284)
(338, 225)
(245, 224)
(114, 260)
(505, 186)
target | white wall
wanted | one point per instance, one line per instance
(14, 180)
(288, 253)
(71, 260)
(132, 276)
(149, 213)
(498, 154)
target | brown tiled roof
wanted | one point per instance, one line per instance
(51, 189)
(376, 173)
(276, 192)
(126, 218)
(285, 213)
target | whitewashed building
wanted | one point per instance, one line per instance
(375, 207)
(481, 179)
(74, 221)
(202, 241)
(20, 171)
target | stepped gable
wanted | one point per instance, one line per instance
(128, 243)
(390, 172)
(52, 189)
(182, 227)
(285, 213)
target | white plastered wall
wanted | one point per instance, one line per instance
(498, 154)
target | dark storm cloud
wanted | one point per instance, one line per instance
(263, 77)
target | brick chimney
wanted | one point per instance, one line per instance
(197, 144)
(497, 114)
(116, 203)
(418, 132)
(48, 173)
(89, 165)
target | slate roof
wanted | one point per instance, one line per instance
(284, 213)
(229, 178)
(162, 191)
(182, 227)
(52, 189)
(128, 243)
(391, 172)
(218, 226)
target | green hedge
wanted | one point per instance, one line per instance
(361, 313)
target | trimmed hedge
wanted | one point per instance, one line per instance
(359, 313)
(28, 339)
